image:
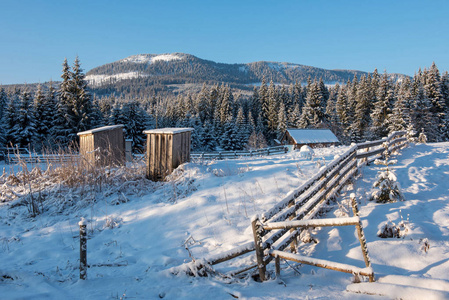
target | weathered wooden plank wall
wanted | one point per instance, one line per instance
(167, 148)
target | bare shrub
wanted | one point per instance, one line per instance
(62, 179)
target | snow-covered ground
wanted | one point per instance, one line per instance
(138, 232)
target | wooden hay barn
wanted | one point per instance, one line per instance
(103, 146)
(314, 138)
(167, 148)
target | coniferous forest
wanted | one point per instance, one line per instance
(365, 108)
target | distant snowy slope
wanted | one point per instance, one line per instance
(151, 58)
(97, 80)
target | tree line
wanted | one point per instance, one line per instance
(364, 108)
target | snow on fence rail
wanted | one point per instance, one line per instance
(259, 227)
(236, 154)
(40, 158)
(14, 155)
(305, 202)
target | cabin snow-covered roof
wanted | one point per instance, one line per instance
(104, 128)
(168, 130)
(312, 136)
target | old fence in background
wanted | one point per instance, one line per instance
(238, 154)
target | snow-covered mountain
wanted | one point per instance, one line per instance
(160, 71)
(178, 67)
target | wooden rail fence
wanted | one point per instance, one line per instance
(302, 204)
(16, 155)
(236, 154)
(259, 227)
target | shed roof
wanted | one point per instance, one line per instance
(312, 136)
(168, 130)
(104, 128)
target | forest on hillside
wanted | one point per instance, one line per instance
(365, 108)
(154, 75)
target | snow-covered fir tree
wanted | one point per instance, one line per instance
(208, 138)
(43, 111)
(74, 104)
(3, 102)
(399, 114)
(362, 111)
(312, 112)
(243, 131)
(386, 187)
(382, 108)
(135, 120)
(282, 121)
(229, 138)
(433, 91)
(24, 129)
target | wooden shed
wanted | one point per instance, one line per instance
(103, 146)
(166, 149)
(314, 138)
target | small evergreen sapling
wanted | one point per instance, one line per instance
(422, 138)
(387, 188)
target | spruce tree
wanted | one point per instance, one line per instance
(229, 137)
(242, 129)
(422, 118)
(81, 101)
(203, 105)
(62, 123)
(282, 121)
(3, 103)
(42, 111)
(382, 108)
(294, 117)
(433, 91)
(10, 118)
(271, 111)
(135, 120)
(264, 107)
(399, 114)
(312, 112)
(24, 130)
(362, 111)
(208, 138)
(331, 110)
(343, 114)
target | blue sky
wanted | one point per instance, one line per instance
(399, 36)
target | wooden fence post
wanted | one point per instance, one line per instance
(294, 243)
(277, 263)
(361, 235)
(255, 224)
(83, 249)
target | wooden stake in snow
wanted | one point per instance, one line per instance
(255, 224)
(83, 249)
(361, 235)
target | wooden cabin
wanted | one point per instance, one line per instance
(314, 138)
(167, 148)
(103, 146)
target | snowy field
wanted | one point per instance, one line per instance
(139, 230)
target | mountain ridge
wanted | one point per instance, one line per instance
(142, 75)
(179, 72)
